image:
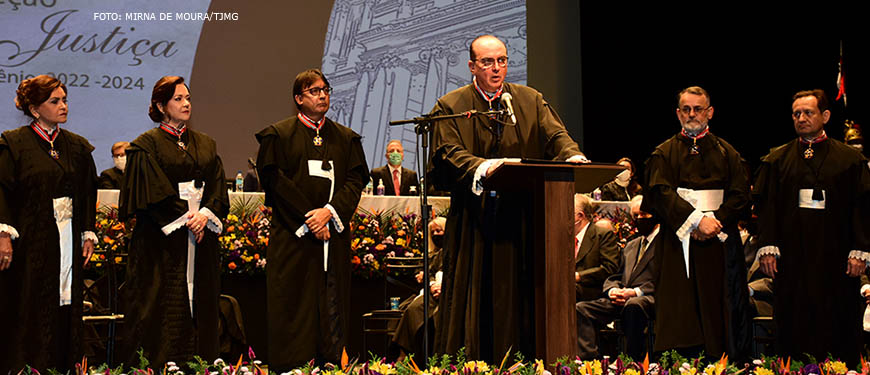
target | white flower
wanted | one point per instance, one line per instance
(218, 362)
(170, 364)
(173, 368)
(409, 254)
(852, 372)
(258, 362)
(391, 254)
(179, 372)
(757, 362)
(244, 369)
(368, 258)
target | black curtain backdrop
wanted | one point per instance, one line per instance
(636, 59)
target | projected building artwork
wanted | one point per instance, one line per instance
(392, 59)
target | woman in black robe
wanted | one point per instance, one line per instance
(47, 180)
(174, 185)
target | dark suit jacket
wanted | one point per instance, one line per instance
(597, 259)
(110, 179)
(641, 276)
(408, 179)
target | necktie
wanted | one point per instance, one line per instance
(643, 245)
(576, 247)
(396, 181)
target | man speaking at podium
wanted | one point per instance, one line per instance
(488, 289)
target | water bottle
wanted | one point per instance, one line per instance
(369, 188)
(380, 187)
(240, 182)
(596, 194)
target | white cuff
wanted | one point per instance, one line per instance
(767, 250)
(638, 292)
(860, 255)
(88, 235)
(10, 230)
(339, 227)
(479, 174)
(685, 230)
(173, 226)
(610, 292)
(213, 224)
(752, 291)
(302, 230)
(864, 289)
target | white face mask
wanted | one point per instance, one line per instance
(623, 178)
(120, 162)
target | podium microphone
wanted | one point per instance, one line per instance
(507, 100)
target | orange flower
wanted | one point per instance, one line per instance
(361, 227)
(400, 233)
(232, 265)
(355, 260)
(266, 241)
(257, 256)
(119, 226)
(380, 247)
(108, 240)
(231, 228)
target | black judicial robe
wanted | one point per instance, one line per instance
(488, 289)
(695, 311)
(308, 309)
(29, 180)
(110, 179)
(817, 307)
(155, 299)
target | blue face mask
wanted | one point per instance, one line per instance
(395, 159)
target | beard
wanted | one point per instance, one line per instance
(694, 127)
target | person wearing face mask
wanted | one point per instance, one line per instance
(696, 185)
(397, 179)
(409, 331)
(48, 199)
(627, 294)
(623, 187)
(111, 178)
(596, 254)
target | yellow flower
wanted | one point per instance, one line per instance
(383, 368)
(631, 371)
(232, 217)
(763, 371)
(477, 366)
(400, 242)
(837, 367)
(104, 222)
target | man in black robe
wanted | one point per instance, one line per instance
(488, 290)
(696, 186)
(111, 178)
(812, 202)
(313, 171)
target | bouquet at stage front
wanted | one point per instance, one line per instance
(245, 239)
(113, 236)
(623, 224)
(379, 236)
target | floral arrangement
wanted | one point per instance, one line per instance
(113, 236)
(377, 236)
(245, 239)
(623, 224)
(670, 363)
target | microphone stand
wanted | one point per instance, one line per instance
(423, 126)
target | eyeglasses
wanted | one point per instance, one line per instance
(315, 91)
(698, 109)
(488, 62)
(807, 112)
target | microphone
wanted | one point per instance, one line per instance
(507, 100)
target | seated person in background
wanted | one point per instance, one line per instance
(111, 178)
(596, 255)
(397, 179)
(623, 187)
(409, 332)
(629, 292)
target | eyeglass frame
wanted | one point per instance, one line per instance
(326, 90)
(695, 109)
(498, 61)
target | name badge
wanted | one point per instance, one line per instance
(805, 200)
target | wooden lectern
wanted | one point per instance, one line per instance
(553, 185)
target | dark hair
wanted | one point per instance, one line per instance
(631, 163)
(471, 55)
(35, 91)
(305, 80)
(696, 90)
(163, 91)
(821, 98)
